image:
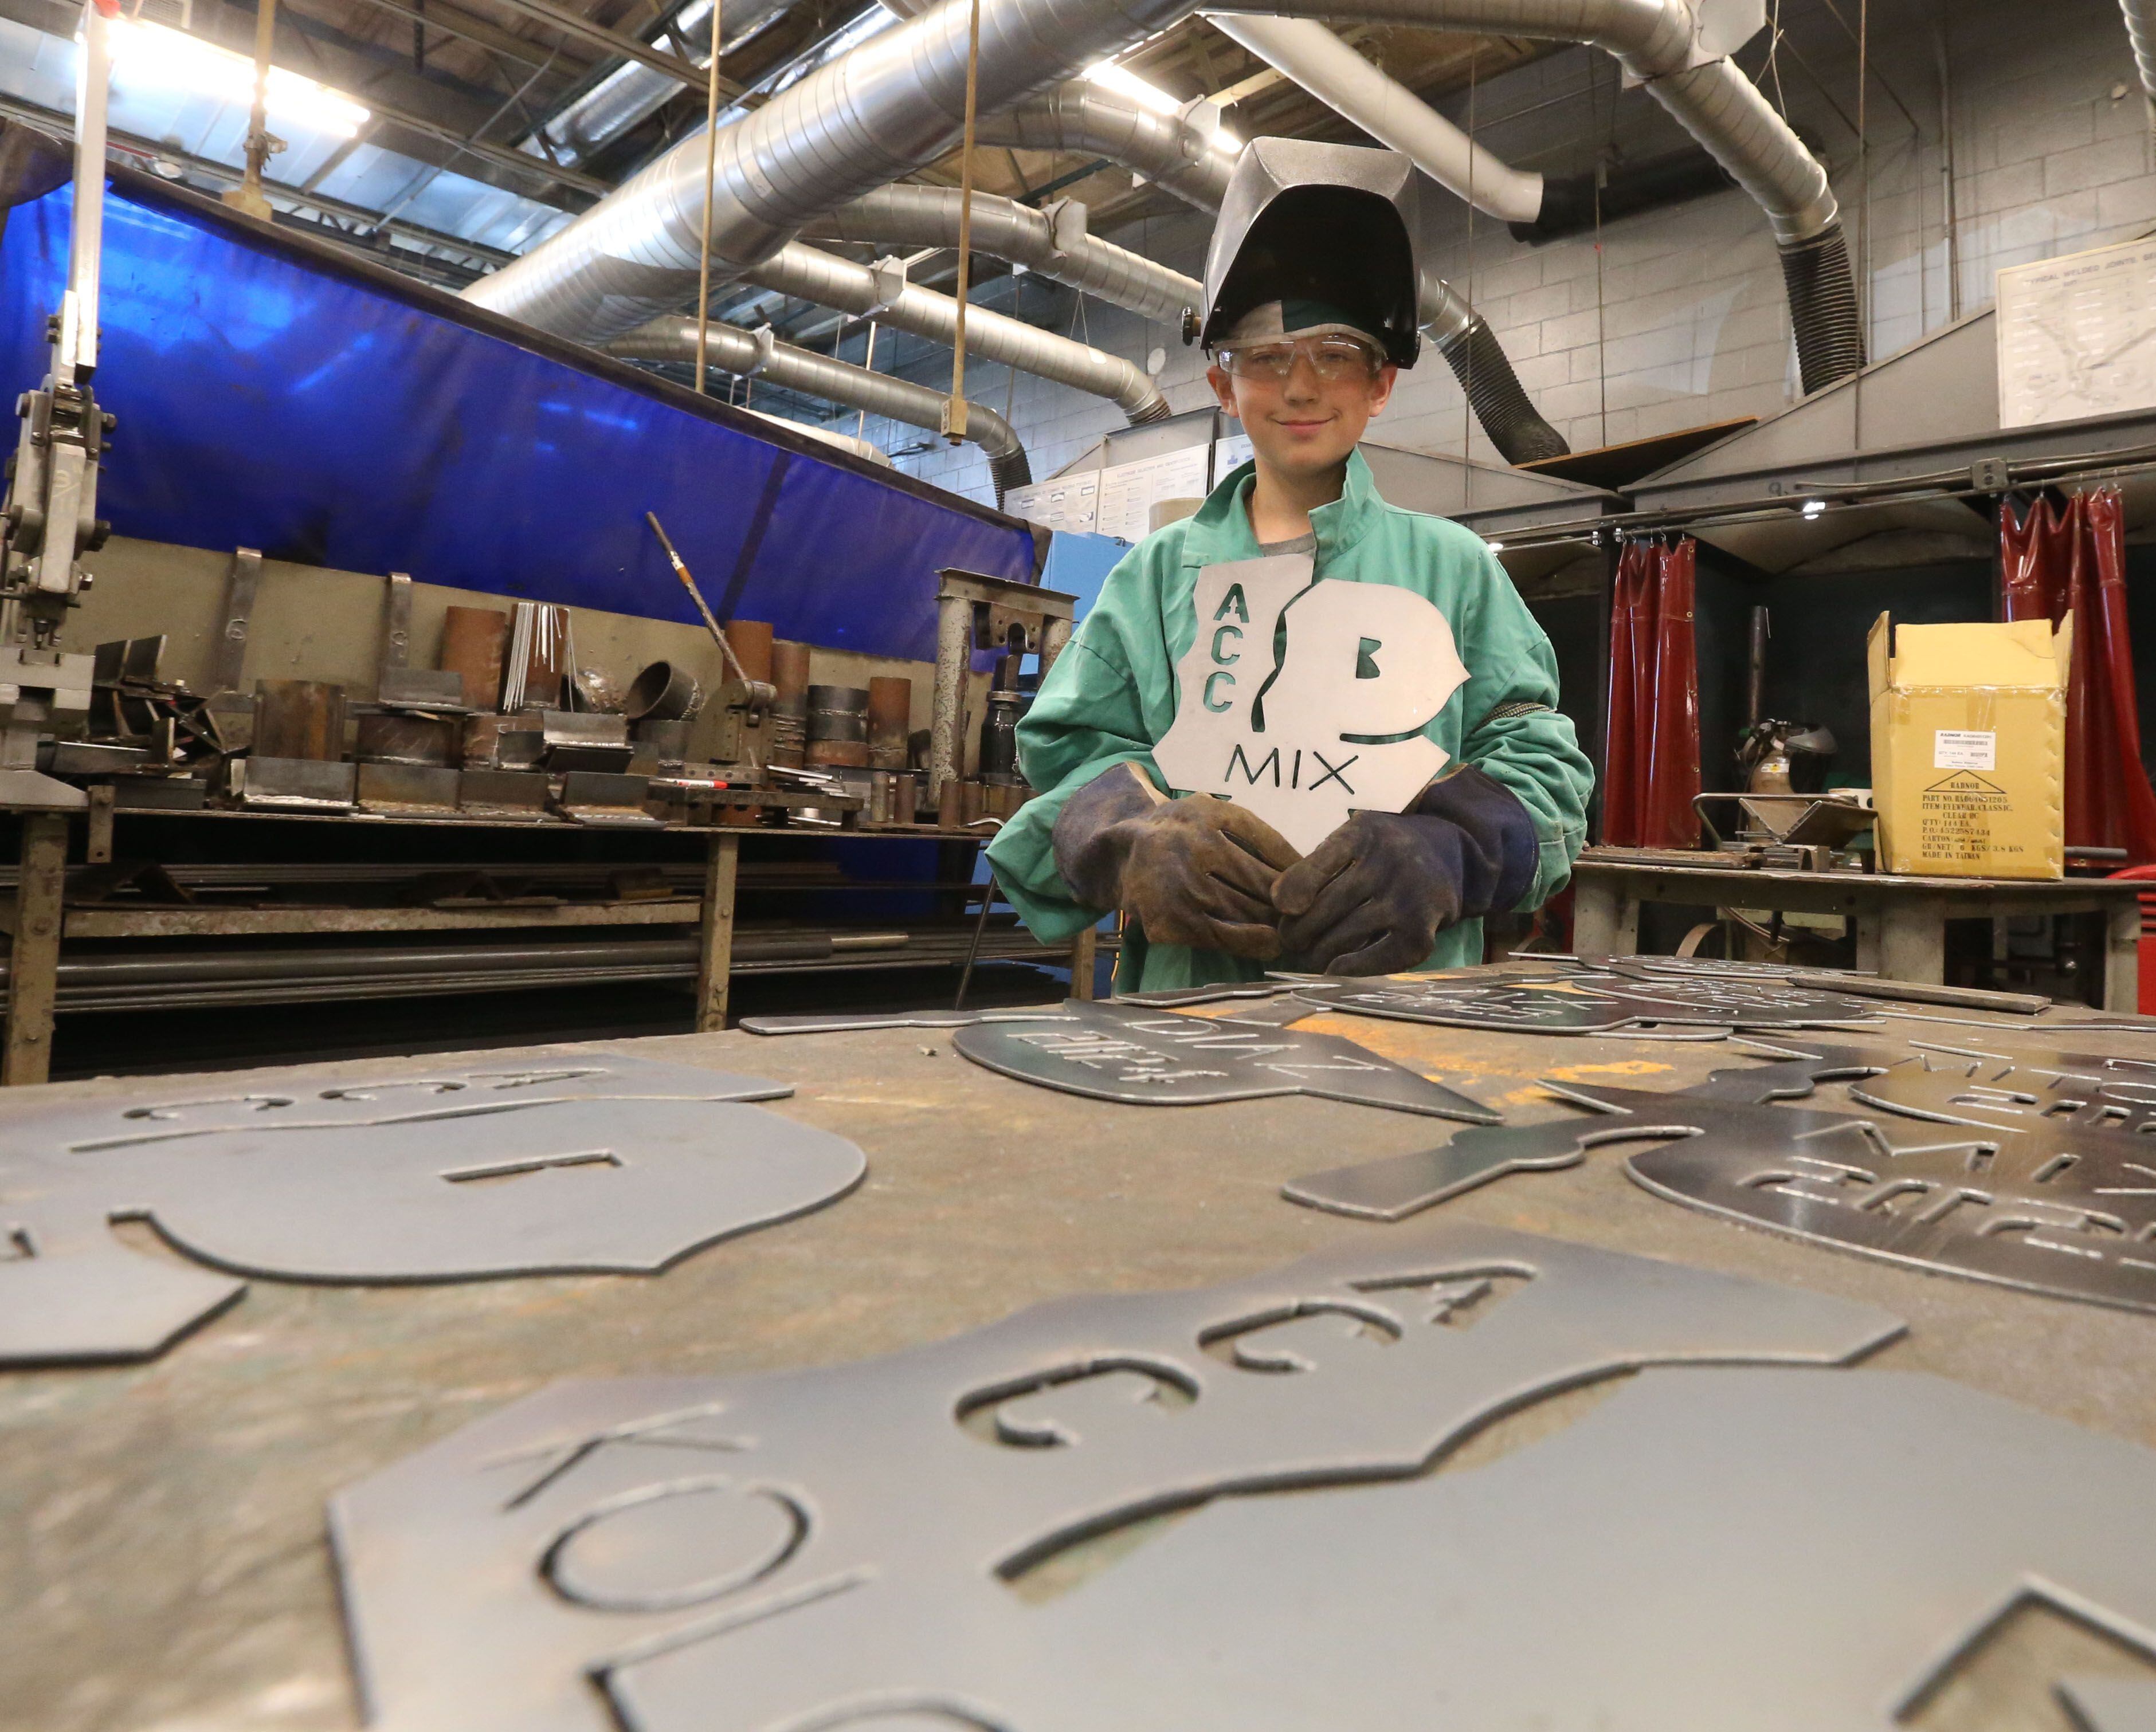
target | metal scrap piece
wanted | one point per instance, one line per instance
(536, 1161)
(1600, 1002)
(841, 1023)
(1158, 1058)
(831, 1546)
(1403, 1184)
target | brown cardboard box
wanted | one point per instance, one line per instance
(1968, 748)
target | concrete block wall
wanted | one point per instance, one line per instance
(1679, 317)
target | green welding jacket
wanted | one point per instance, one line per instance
(1111, 696)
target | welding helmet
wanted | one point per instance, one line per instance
(1328, 228)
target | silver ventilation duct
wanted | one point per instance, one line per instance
(1171, 150)
(1307, 53)
(2140, 31)
(896, 102)
(880, 291)
(866, 449)
(748, 353)
(1052, 241)
(633, 92)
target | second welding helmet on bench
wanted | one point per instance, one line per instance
(1330, 224)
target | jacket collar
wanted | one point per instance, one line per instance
(1221, 531)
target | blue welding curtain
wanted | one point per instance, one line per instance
(271, 396)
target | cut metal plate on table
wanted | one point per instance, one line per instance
(1111, 1052)
(844, 1024)
(840, 1546)
(1400, 1185)
(2042, 1203)
(1601, 1002)
(535, 1162)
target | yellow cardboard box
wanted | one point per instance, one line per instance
(1968, 731)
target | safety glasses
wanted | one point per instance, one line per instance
(1332, 358)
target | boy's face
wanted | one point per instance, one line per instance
(1304, 401)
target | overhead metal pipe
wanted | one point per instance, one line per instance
(896, 102)
(1307, 53)
(880, 291)
(1052, 241)
(755, 354)
(2140, 31)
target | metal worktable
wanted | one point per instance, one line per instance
(1900, 920)
(162, 1562)
(36, 919)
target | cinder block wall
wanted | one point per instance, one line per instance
(1679, 317)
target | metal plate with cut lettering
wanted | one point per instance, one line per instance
(861, 1544)
(867, 1022)
(1402, 1185)
(1600, 1002)
(1114, 1052)
(524, 1163)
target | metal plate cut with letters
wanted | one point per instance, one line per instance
(840, 1546)
(525, 1163)
(869, 1021)
(1599, 1002)
(1400, 1185)
(2056, 1204)
(1113, 1052)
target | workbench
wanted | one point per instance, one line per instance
(1900, 921)
(39, 916)
(164, 1561)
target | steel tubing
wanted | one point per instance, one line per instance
(740, 352)
(877, 292)
(1052, 242)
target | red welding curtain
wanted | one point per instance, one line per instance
(2072, 556)
(1652, 767)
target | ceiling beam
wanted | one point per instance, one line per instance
(576, 25)
(451, 21)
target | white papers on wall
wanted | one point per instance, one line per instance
(1230, 453)
(2077, 335)
(1066, 502)
(1130, 490)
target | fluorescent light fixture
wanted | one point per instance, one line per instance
(1496, 546)
(1124, 82)
(152, 55)
(1815, 508)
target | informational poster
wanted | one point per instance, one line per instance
(2077, 335)
(1066, 502)
(1130, 490)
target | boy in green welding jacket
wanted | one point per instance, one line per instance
(1303, 729)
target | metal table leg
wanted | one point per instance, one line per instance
(2122, 958)
(1912, 941)
(1085, 949)
(715, 971)
(1605, 919)
(33, 960)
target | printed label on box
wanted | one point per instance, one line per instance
(1964, 749)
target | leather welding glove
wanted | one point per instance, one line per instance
(1372, 898)
(1198, 871)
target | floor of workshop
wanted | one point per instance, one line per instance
(167, 1567)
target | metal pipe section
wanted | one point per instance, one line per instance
(1052, 241)
(954, 661)
(755, 354)
(880, 291)
(2140, 31)
(866, 449)
(1171, 150)
(1305, 52)
(895, 103)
